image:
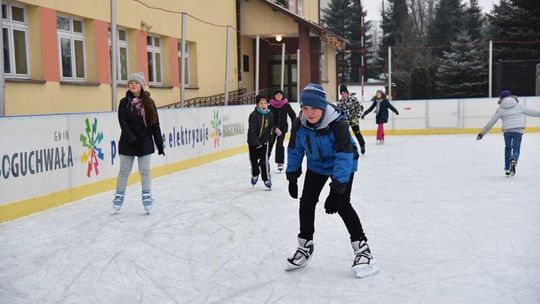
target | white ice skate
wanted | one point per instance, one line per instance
(302, 255)
(513, 165)
(118, 201)
(148, 201)
(364, 264)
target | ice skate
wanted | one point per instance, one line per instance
(268, 184)
(364, 264)
(118, 201)
(254, 180)
(513, 165)
(302, 255)
(379, 142)
(148, 201)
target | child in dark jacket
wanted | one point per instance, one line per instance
(139, 121)
(381, 106)
(321, 133)
(259, 131)
(280, 107)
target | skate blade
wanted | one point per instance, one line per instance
(365, 271)
(289, 266)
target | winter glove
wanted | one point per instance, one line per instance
(293, 189)
(335, 198)
(479, 136)
(161, 151)
(278, 132)
(292, 177)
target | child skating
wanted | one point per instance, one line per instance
(353, 110)
(259, 131)
(381, 106)
(321, 134)
(512, 114)
(280, 107)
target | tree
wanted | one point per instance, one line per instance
(473, 20)
(336, 19)
(284, 3)
(447, 24)
(355, 32)
(462, 70)
(519, 21)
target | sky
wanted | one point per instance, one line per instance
(373, 7)
(443, 223)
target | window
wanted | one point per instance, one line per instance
(300, 7)
(153, 52)
(245, 63)
(186, 61)
(71, 42)
(323, 65)
(122, 53)
(15, 38)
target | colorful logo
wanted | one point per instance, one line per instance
(91, 141)
(216, 126)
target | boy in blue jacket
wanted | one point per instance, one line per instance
(322, 135)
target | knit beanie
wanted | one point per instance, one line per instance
(139, 77)
(506, 93)
(343, 88)
(258, 99)
(313, 96)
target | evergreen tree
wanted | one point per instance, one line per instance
(462, 71)
(336, 18)
(447, 24)
(518, 21)
(474, 20)
(284, 3)
(355, 36)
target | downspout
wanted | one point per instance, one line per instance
(238, 45)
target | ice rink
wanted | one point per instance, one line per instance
(443, 222)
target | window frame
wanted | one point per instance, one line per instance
(155, 50)
(119, 44)
(72, 36)
(187, 64)
(12, 25)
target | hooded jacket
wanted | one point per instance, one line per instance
(328, 146)
(512, 114)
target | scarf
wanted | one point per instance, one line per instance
(278, 104)
(138, 104)
(378, 105)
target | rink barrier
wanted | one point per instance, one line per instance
(192, 137)
(41, 203)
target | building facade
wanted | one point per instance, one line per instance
(57, 54)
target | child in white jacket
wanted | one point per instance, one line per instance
(512, 115)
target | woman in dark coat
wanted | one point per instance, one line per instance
(139, 121)
(381, 106)
(280, 107)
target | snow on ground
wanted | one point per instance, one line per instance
(444, 224)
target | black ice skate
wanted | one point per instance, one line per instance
(513, 165)
(302, 255)
(364, 264)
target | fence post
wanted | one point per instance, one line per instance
(183, 61)
(114, 56)
(227, 46)
(490, 79)
(257, 48)
(2, 81)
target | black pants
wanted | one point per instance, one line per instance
(259, 162)
(313, 186)
(280, 150)
(359, 137)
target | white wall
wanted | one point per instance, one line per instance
(45, 154)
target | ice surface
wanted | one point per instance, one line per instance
(443, 222)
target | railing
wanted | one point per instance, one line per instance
(238, 97)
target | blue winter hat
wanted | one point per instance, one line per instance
(313, 96)
(506, 93)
